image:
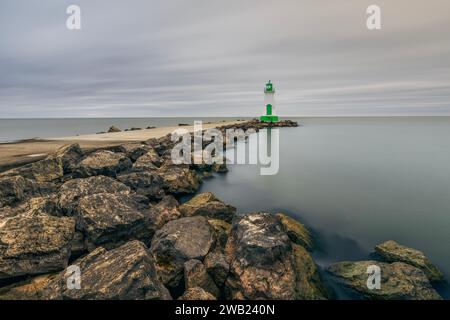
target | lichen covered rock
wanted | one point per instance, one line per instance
(207, 205)
(391, 251)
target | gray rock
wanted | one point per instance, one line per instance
(46, 170)
(69, 156)
(124, 273)
(309, 284)
(399, 281)
(114, 129)
(72, 191)
(133, 150)
(111, 219)
(35, 244)
(207, 205)
(177, 242)
(260, 255)
(296, 231)
(148, 161)
(217, 266)
(222, 231)
(195, 275)
(14, 189)
(144, 183)
(102, 162)
(391, 251)
(164, 211)
(179, 179)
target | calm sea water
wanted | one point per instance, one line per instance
(357, 182)
(19, 129)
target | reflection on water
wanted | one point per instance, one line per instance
(357, 182)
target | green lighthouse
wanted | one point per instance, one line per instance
(269, 93)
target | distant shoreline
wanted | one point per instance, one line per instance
(21, 152)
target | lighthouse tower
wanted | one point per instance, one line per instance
(269, 100)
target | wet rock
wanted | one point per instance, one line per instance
(110, 219)
(399, 281)
(32, 245)
(195, 275)
(222, 230)
(164, 211)
(103, 162)
(296, 231)
(124, 273)
(177, 242)
(260, 256)
(148, 161)
(114, 129)
(196, 294)
(145, 183)
(207, 205)
(391, 251)
(217, 266)
(72, 191)
(309, 284)
(179, 179)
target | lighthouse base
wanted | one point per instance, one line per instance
(267, 118)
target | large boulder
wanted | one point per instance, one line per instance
(179, 179)
(222, 231)
(309, 284)
(103, 162)
(110, 219)
(164, 211)
(133, 150)
(217, 266)
(29, 289)
(34, 206)
(399, 281)
(195, 275)
(124, 273)
(196, 294)
(260, 256)
(45, 170)
(391, 251)
(34, 244)
(144, 183)
(113, 129)
(14, 189)
(148, 161)
(296, 231)
(177, 242)
(207, 205)
(72, 191)
(69, 155)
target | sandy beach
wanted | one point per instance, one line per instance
(26, 151)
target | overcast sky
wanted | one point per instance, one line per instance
(212, 58)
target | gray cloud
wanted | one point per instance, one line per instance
(208, 57)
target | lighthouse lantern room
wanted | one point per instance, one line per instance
(269, 101)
